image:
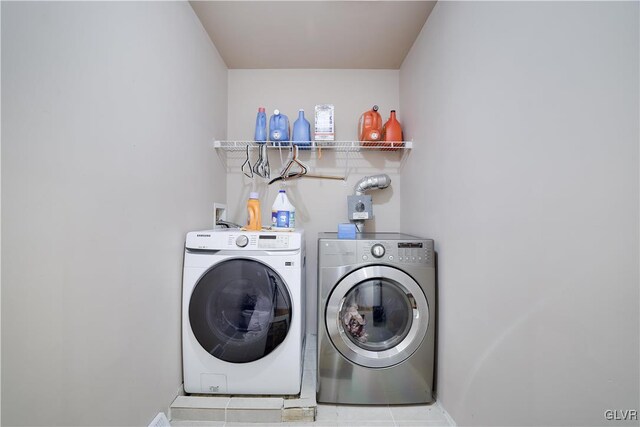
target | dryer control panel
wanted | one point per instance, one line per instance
(416, 252)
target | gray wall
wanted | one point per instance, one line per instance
(320, 204)
(525, 171)
(108, 112)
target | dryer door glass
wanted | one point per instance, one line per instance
(376, 314)
(240, 310)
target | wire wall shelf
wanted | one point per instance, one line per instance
(337, 146)
(322, 157)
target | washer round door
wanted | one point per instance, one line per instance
(240, 310)
(377, 316)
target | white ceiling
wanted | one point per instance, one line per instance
(313, 33)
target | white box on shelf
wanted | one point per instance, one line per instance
(324, 123)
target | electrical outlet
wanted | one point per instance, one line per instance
(219, 213)
(359, 207)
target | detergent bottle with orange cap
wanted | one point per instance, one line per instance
(370, 126)
(254, 219)
(392, 133)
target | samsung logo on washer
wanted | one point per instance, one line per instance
(203, 235)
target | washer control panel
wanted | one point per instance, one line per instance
(378, 250)
(273, 241)
(259, 241)
(241, 240)
(415, 252)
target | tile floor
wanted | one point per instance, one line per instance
(343, 415)
(353, 416)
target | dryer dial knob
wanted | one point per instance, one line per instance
(242, 241)
(377, 250)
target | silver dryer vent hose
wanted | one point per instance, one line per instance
(375, 181)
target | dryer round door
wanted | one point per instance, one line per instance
(240, 310)
(377, 316)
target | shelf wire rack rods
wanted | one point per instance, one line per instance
(340, 146)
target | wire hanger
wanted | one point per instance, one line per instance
(293, 161)
(303, 172)
(247, 163)
(261, 167)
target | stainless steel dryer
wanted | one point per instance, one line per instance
(376, 319)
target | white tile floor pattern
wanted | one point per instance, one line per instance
(344, 415)
(353, 416)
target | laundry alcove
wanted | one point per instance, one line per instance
(523, 169)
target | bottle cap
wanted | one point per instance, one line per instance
(276, 112)
(253, 195)
(375, 108)
(302, 109)
(261, 109)
(281, 191)
(393, 111)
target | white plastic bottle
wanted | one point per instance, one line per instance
(283, 213)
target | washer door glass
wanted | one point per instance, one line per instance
(376, 314)
(240, 310)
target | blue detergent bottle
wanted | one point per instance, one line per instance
(279, 129)
(260, 135)
(301, 132)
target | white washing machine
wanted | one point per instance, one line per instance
(243, 319)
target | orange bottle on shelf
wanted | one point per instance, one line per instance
(254, 220)
(392, 133)
(370, 127)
